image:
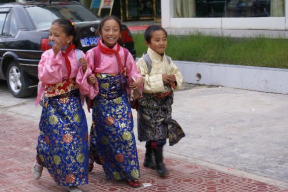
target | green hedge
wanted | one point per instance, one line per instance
(257, 51)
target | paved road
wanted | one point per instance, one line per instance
(235, 130)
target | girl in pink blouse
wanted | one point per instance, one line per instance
(63, 141)
(112, 142)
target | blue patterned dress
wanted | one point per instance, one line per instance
(112, 136)
(63, 141)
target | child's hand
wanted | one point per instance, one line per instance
(136, 94)
(57, 47)
(165, 78)
(172, 78)
(136, 84)
(84, 64)
(91, 79)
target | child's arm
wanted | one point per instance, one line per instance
(49, 68)
(84, 76)
(168, 78)
(176, 76)
(135, 79)
(84, 64)
(136, 83)
(153, 83)
(130, 68)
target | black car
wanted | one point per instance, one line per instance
(24, 32)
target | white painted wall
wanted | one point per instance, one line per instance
(244, 77)
(264, 23)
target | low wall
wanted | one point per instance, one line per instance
(244, 77)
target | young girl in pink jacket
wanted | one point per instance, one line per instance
(112, 137)
(63, 141)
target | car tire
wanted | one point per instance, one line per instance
(18, 81)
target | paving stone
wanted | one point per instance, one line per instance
(18, 155)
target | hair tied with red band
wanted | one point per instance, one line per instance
(72, 23)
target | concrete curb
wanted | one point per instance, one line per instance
(264, 79)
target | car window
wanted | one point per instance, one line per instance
(42, 16)
(2, 19)
(13, 30)
(3, 16)
(6, 24)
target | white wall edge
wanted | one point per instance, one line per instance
(264, 79)
(263, 23)
(266, 23)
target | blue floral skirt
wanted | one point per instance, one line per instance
(63, 141)
(112, 136)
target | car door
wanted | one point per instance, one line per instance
(10, 31)
(14, 59)
(3, 16)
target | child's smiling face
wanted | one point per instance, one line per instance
(58, 35)
(110, 33)
(158, 42)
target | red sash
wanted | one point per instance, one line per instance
(66, 86)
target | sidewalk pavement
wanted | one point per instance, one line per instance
(235, 142)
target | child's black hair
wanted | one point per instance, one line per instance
(69, 29)
(106, 18)
(151, 29)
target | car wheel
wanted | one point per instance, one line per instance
(17, 81)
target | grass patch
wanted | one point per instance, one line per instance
(257, 51)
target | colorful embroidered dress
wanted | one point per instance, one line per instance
(63, 141)
(112, 136)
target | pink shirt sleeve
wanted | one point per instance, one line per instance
(131, 68)
(132, 73)
(84, 87)
(82, 78)
(90, 59)
(50, 68)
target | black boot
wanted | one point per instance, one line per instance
(149, 160)
(160, 166)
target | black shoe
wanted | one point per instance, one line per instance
(161, 170)
(149, 160)
(149, 163)
(160, 166)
